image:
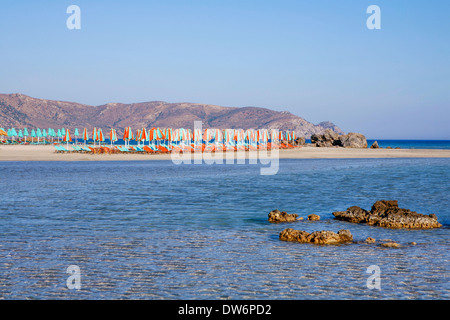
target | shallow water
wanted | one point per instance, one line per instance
(155, 230)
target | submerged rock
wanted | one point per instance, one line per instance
(386, 213)
(314, 217)
(390, 245)
(370, 240)
(317, 237)
(281, 216)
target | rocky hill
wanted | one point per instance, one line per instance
(18, 111)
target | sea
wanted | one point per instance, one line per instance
(158, 230)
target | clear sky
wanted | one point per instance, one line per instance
(316, 58)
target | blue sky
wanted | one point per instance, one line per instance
(316, 59)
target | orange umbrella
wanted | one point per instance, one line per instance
(67, 137)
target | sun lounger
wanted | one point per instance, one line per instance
(61, 149)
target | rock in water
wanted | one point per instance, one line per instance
(390, 245)
(294, 235)
(386, 213)
(317, 237)
(314, 217)
(370, 240)
(278, 216)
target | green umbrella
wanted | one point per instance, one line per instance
(59, 134)
(20, 134)
(76, 134)
(25, 133)
(51, 133)
(38, 134)
(13, 133)
(33, 135)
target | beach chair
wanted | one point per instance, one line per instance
(148, 149)
(77, 148)
(61, 149)
(123, 149)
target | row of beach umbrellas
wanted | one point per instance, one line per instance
(157, 135)
(38, 133)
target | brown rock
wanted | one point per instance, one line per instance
(386, 213)
(314, 217)
(294, 235)
(390, 245)
(300, 141)
(375, 145)
(317, 237)
(353, 140)
(326, 139)
(278, 216)
(370, 240)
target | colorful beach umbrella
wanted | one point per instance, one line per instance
(94, 135)
(76, 134)
(33, 135)
(67, 138)
(25, 133)
(38, 133)
(85, 135)
(100, 138)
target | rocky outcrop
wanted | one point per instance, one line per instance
(317, 237)
(330, 138)
(390, 245)
(314, 217)
(300, 141)
(327, 139)
(352, 140)
(386, 213)
(281, 216)
(375, 145)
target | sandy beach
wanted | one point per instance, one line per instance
(47, 153)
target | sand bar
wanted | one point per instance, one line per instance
(47, 153)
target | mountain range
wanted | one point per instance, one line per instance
(19, 111)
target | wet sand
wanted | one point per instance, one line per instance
(47, 153)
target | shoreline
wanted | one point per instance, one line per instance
(47, 153)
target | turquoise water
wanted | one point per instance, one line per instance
(155, 230)
(412, 144)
